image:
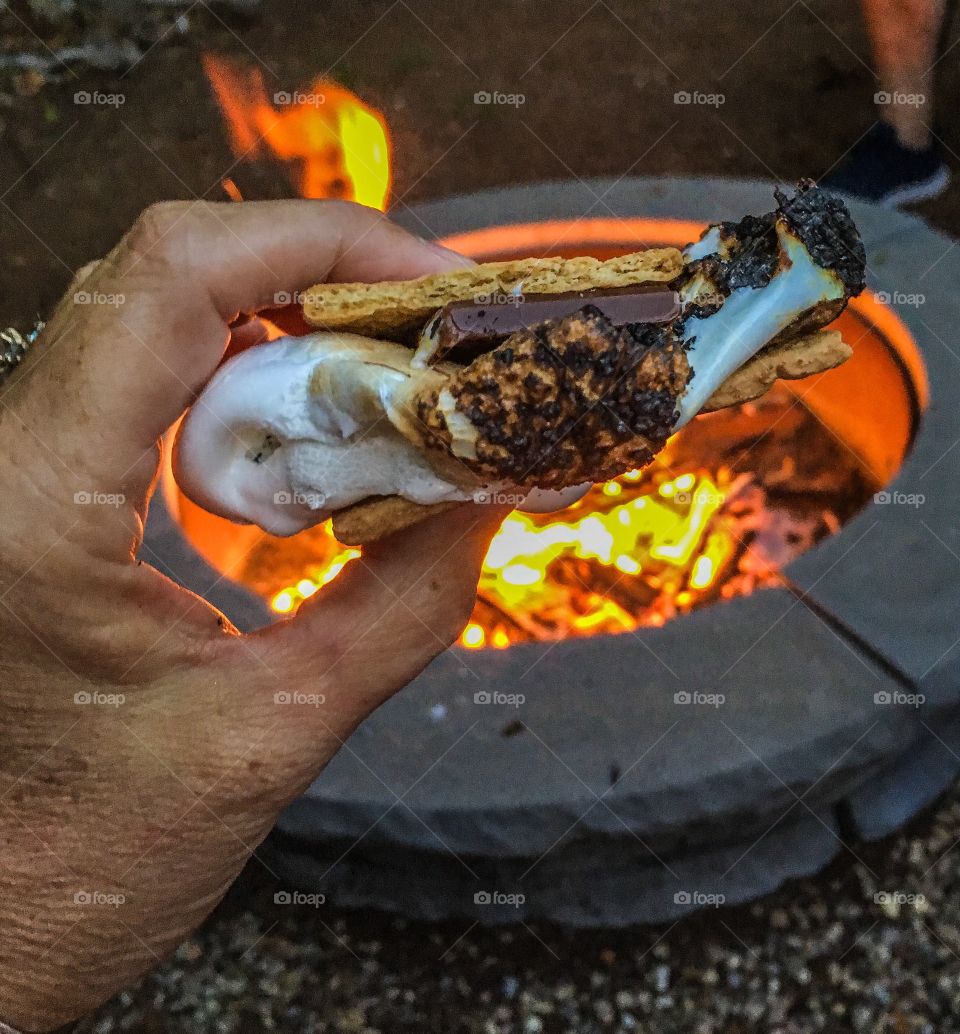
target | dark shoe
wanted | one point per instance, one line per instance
(880, 169)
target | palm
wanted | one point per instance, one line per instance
(144, 757)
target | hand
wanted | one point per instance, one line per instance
(124, 820)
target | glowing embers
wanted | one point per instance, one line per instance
(732, 499)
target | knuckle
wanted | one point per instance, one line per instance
(352, 209)
(350, 213)
(156, 230)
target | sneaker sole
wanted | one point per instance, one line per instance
(922, 191)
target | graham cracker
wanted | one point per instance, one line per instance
(791, 360)
(378, 516)
(396, 308)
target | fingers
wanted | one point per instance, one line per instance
(123, 357)
(372, 630)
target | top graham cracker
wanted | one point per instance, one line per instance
(395, 308)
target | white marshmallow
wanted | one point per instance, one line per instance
(260, 446)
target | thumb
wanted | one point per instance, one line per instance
(373, 629)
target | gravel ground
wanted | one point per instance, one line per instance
(870, 945)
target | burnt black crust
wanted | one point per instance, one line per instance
(820, 220)
(824, 225)
(568, 400)
(579, 399)
(754, 257)
(757, 251)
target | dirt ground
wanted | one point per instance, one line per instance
(598, 83)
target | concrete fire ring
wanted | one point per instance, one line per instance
(598, 800)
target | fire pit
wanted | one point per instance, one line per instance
(702, 680)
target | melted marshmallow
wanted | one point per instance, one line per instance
(749, 318)
(289, 432)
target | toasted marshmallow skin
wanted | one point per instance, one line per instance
(750, 317)
(287, 433)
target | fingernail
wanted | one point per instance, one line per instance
(451, 256)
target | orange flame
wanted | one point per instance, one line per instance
(339, 144)
(635, 551)
(662, 533)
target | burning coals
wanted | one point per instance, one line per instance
(717, 515)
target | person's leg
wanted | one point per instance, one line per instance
(904, 37)
(898, 160)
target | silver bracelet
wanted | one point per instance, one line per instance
(13, 347)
